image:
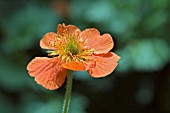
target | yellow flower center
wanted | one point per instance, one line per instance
(70, 48)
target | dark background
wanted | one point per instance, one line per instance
(140, 30)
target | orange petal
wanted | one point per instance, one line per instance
(100, 44)
(104, 44)
(103, 64)
(69, 29)
(45, 42)
(47, 72)
(74, 65)
(90, 34)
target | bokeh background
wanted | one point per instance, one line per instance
(140, 30)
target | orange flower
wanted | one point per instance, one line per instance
(72, 49)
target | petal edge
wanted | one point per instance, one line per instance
(47, 72)
(74, 65)
(45, 42)
(103, 65)
(100, 43)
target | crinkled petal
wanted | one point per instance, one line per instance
(104, 44)
(100, 44)
(47, 72)
(103, 64)
(90, 34)
(46, 41)
(69, 29)
(74, 65)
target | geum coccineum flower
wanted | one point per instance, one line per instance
(75, 50)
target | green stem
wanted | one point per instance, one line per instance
(68, 91)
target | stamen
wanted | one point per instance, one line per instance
(52, 43)
(71, 47)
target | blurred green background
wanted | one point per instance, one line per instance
(140, 30)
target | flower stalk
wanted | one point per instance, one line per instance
(68, 91)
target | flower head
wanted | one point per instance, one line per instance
(75, 50)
